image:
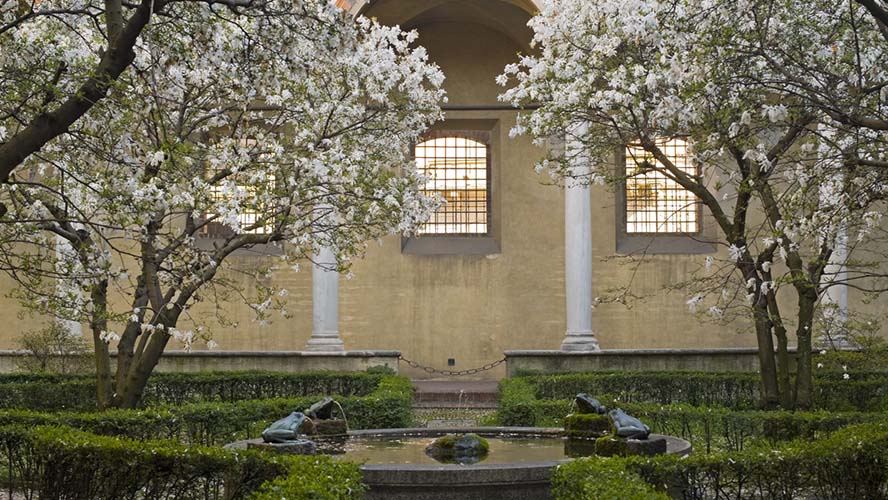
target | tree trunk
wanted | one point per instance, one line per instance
(786, 390)
(98, 326)
(130, 392)
(804, 373)
(770, 392)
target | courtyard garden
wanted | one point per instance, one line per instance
(55, 444)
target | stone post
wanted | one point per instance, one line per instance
(325, 305)
(578, 252)
(835, 274)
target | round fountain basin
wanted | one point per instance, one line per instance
(519, 466)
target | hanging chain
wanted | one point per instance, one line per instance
(453, 373)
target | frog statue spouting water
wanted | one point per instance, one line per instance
(285, 429)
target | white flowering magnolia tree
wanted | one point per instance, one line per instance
(783, 105)
(287, 123)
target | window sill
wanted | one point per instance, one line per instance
(450, 245)
(663, 244)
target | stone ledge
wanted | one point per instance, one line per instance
(735, 359)
(285, 361)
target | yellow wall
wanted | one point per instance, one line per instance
(471, 308)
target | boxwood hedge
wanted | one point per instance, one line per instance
(51, 392)
(852, 463)
(708, 428)
(739, 391)
(217, 423)
(60, 462)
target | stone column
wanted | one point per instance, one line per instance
(578, 253)
(835, 300)
(325, 305)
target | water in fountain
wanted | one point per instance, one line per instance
(342, 412)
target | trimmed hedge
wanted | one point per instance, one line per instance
(215, 424)
(739, 391)
(849, 464)
(78, 392)
(59, 462)
(340, 481)
(707, 428)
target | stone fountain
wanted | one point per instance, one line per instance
(513, 463)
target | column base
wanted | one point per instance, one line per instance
(580, 342)
(325, 342)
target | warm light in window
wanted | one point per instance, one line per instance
(456, 168)
(248, 217)
(655, 203)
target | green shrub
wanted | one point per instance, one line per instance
(54, 349)
(572, 482)
(339, 481)
(852, 463)
(78, 392)
(734, 390)
(517, 403)
(60, 462)
(215, 424)
(738, 391)
(707, 428)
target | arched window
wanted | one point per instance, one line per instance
(654, 202)
(458, 170)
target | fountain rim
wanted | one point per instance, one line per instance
(679, 446)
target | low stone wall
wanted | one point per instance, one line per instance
(283, 361)
(709, 360)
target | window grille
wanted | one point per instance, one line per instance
(654, 202)
(247, 218)
(458, 170)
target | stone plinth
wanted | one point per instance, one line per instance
(331, 427)
(296, 447)
(646, 447)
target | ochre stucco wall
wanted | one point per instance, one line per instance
(471, 308)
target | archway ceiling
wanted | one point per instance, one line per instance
(505, 16)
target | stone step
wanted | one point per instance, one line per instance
(481, 405)
(455, 394)
(453, 417)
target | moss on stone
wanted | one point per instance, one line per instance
(462, 448)
(586, 425)
(609, 446)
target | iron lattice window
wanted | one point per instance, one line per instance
(458, 170)
(247, 218)
(654, 202)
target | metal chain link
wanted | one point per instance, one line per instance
(453, 373)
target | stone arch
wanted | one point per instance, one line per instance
(355, 7)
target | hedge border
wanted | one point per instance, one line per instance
(46, 392)
(849, 464)
(60, 462)
(215, 424)
(707, 428)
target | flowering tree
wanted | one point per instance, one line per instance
(778, 101)
(285, 125)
